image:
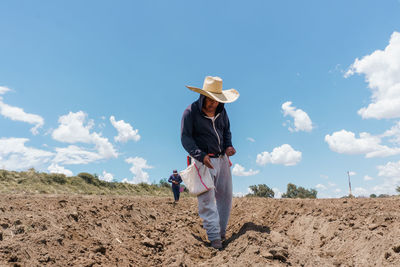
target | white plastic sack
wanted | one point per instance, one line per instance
(197, 178)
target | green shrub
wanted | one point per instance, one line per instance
(60, 179)
(293, 191)
(103, 183)
(76, 181)
(32, 170)
(145, 186)
(383, 195)
(111, 185)
(47, 179)
(164, 183)
(261, 190)
(84, 183)
(88, 178)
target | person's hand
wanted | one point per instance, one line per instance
(230, 151)
(207, 162)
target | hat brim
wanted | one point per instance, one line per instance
(227, 96)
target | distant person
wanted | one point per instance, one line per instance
(176, 181)
(206, 136)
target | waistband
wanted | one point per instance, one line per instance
(216, 155)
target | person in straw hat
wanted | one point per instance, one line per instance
(206, 136)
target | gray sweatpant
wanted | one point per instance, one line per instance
(215, 205)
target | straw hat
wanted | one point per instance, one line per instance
(212, 88)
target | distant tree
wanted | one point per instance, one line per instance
(398, 189)
(383, 195)
(293, 191)
(372, 196)
(164, 183)
(261, 190)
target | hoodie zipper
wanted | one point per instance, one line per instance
(213, 123)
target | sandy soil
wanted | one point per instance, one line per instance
(49, 230)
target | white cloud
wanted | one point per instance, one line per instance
(345, 142)
(239, 194)
(329, 191)
(390, 174)
(103, 146)
(75, 155)
(368, 178)
(277, 192)
(284, 154)
(14, 155)
(4, 90)
(359, 191)
(74, 129)
(382, 73)
(108, 177)
(55, 168)
(302, 121)
(250, 139)
(393, 132)
(324, 176)
(391, 169)
(18, 114)
(320, 187)
(138, 166)
(125, 131)
(239, 170)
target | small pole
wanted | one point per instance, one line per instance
(348, 174)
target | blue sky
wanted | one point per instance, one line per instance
(99, 86)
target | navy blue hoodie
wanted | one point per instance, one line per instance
(176, 178)
(200, 135)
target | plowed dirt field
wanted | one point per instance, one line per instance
(61, 230)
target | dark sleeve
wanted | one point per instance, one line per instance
(227, 132)
(179, 179)
(187, 137)
(170, 179)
